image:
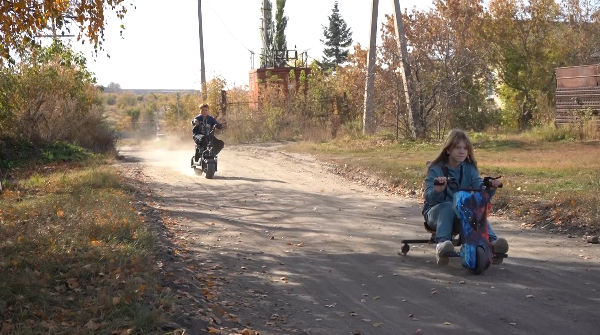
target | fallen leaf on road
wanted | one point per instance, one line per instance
(447, 323)
(91, 325)
(378, 324)
(366, 320)
(529, 296)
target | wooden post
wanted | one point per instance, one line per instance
(369, 112)
(202, 70)
(224, 108)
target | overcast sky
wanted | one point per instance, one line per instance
(160, 47)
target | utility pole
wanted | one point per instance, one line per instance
(412, 101)
(266, 16)
(369, 114)
(202, 71)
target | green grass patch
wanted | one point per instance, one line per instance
(74, 255)
(23, 153)
(557, 181)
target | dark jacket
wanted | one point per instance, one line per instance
(202, 128)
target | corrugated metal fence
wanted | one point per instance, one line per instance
(577, 90)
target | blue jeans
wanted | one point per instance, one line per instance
(441, 217)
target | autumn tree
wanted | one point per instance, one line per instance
(447, 70)
(52, 96)
(524, 49)
(24, 20)
(580, 26)
(338, 37)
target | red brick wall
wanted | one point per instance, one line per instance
(258, 76)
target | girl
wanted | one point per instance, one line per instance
(456, 160)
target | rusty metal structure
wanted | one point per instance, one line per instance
(577, 90)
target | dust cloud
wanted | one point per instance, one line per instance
(171, 153)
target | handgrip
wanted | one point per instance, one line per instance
(486, 181)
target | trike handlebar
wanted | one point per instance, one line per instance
(452, 181)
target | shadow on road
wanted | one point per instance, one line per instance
(326, 263)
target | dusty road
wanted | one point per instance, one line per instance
(276, 244)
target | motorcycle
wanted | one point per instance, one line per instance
(470, 229)
(207, 160)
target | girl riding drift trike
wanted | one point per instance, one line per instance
(457, 202)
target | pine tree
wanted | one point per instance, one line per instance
(338, 38)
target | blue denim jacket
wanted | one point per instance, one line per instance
(470, 178)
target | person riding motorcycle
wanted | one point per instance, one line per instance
(202, 125)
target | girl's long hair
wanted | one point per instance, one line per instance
(454, 138)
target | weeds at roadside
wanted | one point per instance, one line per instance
(75, 256)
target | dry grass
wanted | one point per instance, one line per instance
(74, 255)
(544, 183)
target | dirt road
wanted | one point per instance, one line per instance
(276, 244)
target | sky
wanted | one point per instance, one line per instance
(160, 47)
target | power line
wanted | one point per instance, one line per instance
(211, 7)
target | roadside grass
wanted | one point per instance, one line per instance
(555, 183)
(75, 257)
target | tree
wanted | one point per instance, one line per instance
(524, 48)
(581, 25)
(113, 88)
(24, 20)
(280, 25)
(338, 38)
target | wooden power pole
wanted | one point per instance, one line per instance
(412, 100)
(369, 117)
(202, 70)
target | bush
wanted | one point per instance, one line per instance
(111, 100)
(51, 96)
(62, 151)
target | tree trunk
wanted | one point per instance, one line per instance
(412, 101)
(526, 112)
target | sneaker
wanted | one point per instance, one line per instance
(499, 246)
(440, 252)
